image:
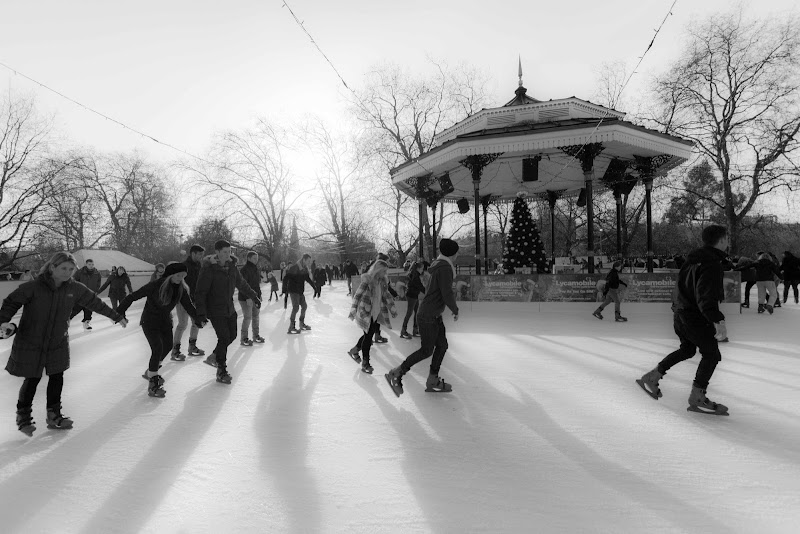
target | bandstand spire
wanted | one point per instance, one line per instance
(520, 71)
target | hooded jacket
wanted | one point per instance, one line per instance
(116, 286)
(89, 278)
(296, 278)
(415, 286)
(253, 278)
(42, 339)
(766, 270)
(155, 313)
(215, 286)
(439, 293)
(192, 272)
(699, 289)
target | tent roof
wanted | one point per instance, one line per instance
(105, 259)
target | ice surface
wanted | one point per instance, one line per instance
(545, 431)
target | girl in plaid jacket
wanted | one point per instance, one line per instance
(372, 304)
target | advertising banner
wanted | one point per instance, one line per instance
(571, 287)
(505, 288)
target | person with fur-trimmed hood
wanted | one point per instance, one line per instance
(162, 294)
(218, 279)
(371, 306)
(438, 296)
(116, 283)
(42, 337)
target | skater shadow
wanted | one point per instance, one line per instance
(281, 424)
(322, 308)
(278, 336)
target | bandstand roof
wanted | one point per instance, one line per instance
(525, 128)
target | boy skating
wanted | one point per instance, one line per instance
(611, 293)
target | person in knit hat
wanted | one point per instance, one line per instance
(162, 295)
(438, 296)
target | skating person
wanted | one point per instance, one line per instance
(745, 266)
(611, 293)
(350, 270)
(217, 281)
(192, 263)
(371, 306)
(249, 310)
(295, 280)
(377, 331)
(42, 340)
(320, 277)
(162, 295)
(697, 320)
(90, 277)
(413, 291)
(431, 326)
(329, 273)
(766, 271)
(273, 286)
(790, 270)
(158, 273)
(116, 283)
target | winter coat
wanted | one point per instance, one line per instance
(320, 277)
(415, 286)
(766, 270)
(296, 278)
(350, 270)
(192, 272)
(745, 266)
(699, 289)
(42, 339)
(439, 293)
(116, 286)
(273, 282)
(791, 267)
(361, 307)
(155, 313)
(613, 281)
(90, 279)
(252, 277)
(215, 286)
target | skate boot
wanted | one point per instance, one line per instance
(395, 380)
(146, 375)
(761, 308)
(698, 402)
(354, 354)
(304, 326)
(25, 422)
(87, 325)
(211, 360)
(435, 384)
(56, 420)
(746, 305)
(366, 367)
(258, 339)
(415, 333)
(649, 383)
(777, 303)
(620, 319)
(223, 377)
(246, 342)
(597, 313)
(193, 350)
(380, 339)
(176, 354)
(154, 388)
(768, 308)
(405, 335)
(293, 329)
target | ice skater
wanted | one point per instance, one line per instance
(216, 283)
(295, 280)
(413, 291)
(192, 263)
(611, 293)
(90, 277)
(162, 295)
(439, 294)
(273, 286)
(42, 339)
(158, 273)
(116, 283)
(790, 270)
(697, 320)
(249, 310)
(372, 304)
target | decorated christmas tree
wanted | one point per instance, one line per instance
(524, 247)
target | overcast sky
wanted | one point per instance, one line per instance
(181, 69)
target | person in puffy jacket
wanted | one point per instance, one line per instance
(116, 283)
(745, 266)
(162, 295)
(90, 277)
(250, 311)
(790, 270)
(41, 343)
(766, 272)
(697, 320)
(372, 304)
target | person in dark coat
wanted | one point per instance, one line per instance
(745, 266)
(162, 296)
(350, 270)
(217, 281)
(611, 293)
(192, 263)
(766, 272)
(249, 310)
(413, 291)
(90, 277)
(116, 283)
(320, 277)
(273, 286)
(158, 273)
(42, 340)
(697, 320)
(329, 273)
(438, 297)
(790, 270)
(295, 280)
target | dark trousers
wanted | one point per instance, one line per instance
(747, 287)
(298, 301)
(366, 339)
(318, 290)
(87, 313)
(225, 329)
(28, 390)
(160, 339)
(114, 303)
(349, 285)
(274, 292)
(413, 306)
(694, 336)
(434, 343)
(786, 284)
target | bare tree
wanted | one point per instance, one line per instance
(611, 79)
(736, 93)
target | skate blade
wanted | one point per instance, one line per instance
(707, 412)
(641, 385)
(389, 381)
(356, 357)
(63, 427)
(210, 363)
(157, 395)
(433, 390)
(366, 371)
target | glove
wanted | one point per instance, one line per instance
(198, 323)
(201, 319)
(257, 303)
(7, 330)
(721, 334)
(123, 322)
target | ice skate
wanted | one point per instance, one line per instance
(620, 319)
(160, 378)
(211, 360)
(380, 339)
(760, 308)
(746, 305)
(768, 308)
(176, 354)
(415, 333)
(354, 354)
(57, 421)
(405, 335)
(366, 368)
(395, 380)
(87, 325)
(434, 384)
(223, 377)
(597, 313)
(245, 342)
(698, 402)
(154, 388)
(649, 383)
(193, 350)
(293, 329)
(25, 422)
(258, 339)
(304, 326)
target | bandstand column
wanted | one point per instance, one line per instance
(485, 201)
(648, 190)
(476, 164)
(422, 214)
(618, 201)
(647, 168)
(552, 197)
(586, 154)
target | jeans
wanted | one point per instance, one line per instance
(28, 390)
(87, 313)
(349, 285)
(611, 296)
(183, 321)
(225, 328)
(413, 306)
(694, 335)
(249, 314)
(273, 292)
(298, 301)
(114, 302)
(434, 343)
(763, 287)
(159, 336)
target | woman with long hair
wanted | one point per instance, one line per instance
(372, 304)
(162, 294)
(116, 283)
(42, 340)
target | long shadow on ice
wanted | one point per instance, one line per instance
(281, 424)
(139, 494)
